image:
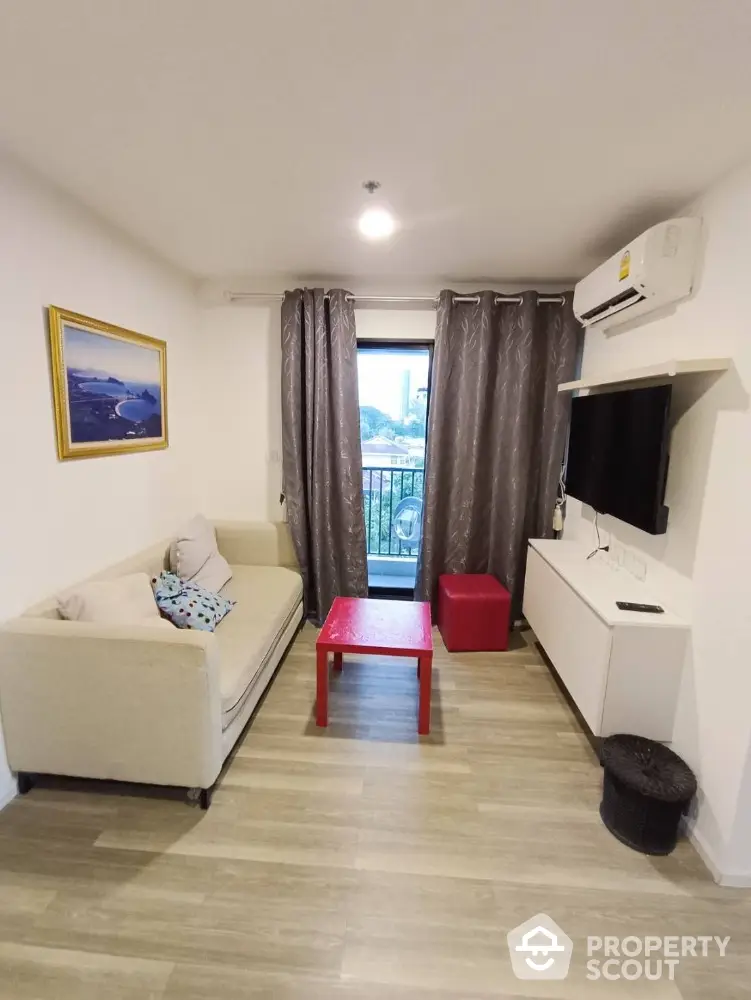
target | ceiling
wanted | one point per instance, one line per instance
(514, 139)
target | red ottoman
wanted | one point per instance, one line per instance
(473, 612)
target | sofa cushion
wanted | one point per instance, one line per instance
(126, 600)
(150, 561)
(267, 598)
(194, 555)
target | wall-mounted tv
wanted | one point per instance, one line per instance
(618, 454)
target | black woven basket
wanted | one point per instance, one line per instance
(646, 789)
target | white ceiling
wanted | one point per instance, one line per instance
(515, 139)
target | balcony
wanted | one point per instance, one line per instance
(393, 525)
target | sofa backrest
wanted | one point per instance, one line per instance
(258, 543)
(152, 561)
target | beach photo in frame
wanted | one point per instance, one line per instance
(110, 387)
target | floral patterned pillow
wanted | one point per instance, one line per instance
(187, 605)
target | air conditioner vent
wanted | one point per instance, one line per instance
(628, 297)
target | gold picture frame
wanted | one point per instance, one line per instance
(109, 386)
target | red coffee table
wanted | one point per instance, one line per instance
(391, 628)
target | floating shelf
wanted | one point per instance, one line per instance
(662, 372)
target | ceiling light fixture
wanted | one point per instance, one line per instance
(376, 222)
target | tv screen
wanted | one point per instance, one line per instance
(618, 454)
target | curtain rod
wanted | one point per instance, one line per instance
(395, 299)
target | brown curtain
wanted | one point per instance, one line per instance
(321, 457)
(496, 435)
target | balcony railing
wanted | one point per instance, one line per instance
(393, 510)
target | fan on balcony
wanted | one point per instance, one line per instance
(407, 521)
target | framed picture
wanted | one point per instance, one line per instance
(110, 387)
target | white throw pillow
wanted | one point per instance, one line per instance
(194, 556)
(126, 600)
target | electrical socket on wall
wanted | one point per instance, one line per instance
(633, 563)
(617, 553)
(628, 561)
(640, 568)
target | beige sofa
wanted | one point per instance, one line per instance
(145, 703)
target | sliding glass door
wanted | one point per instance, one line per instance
(394, 388)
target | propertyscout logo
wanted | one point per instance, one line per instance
(540, 949)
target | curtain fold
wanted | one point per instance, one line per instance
(496, 435)
(321, 456)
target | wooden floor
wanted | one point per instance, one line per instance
(356, 862)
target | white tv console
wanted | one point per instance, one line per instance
(621, 668)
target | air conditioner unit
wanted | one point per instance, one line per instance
(655, 269)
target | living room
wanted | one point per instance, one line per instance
(156, 189)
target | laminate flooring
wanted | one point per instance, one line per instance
(354, 862)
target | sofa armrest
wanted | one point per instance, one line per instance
(132, 703)
(255, 543)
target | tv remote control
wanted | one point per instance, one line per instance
(654, 609)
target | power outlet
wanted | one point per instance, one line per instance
(634, 564)
(617, 554)
(628, 561)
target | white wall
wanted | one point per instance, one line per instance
(63, 520)
(241, 475)
(700, 567)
